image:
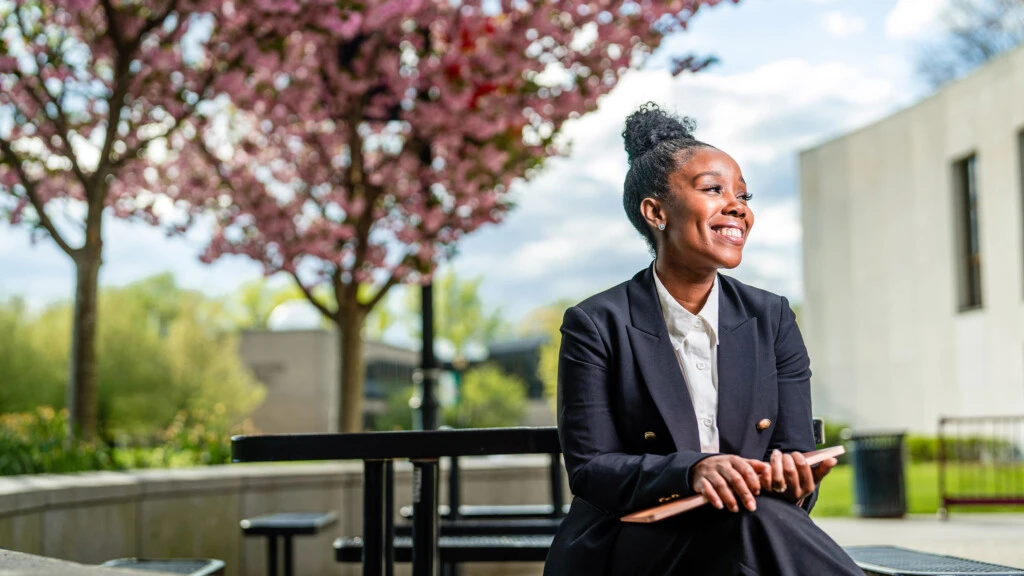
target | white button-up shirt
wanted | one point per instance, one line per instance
(695, 340)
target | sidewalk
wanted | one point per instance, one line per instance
(996, 538)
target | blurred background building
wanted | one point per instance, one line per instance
(913, 260)
(297, 361)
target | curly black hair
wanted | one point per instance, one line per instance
(654, 139)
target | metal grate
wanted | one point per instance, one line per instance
(460, 549)
(981, 460)
(891, 560)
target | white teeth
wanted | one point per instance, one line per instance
(731, 232)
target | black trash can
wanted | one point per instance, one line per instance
(879, 490)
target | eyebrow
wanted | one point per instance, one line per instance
(715, 173)
(708, 173)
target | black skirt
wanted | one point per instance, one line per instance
(778, 539)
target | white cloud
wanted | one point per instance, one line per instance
(913, 18)
(841, 25)
(570, 238)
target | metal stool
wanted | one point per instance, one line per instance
(286, 525)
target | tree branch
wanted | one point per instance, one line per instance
(112, 29)
(392, 280)
(34, 198)
(189, 111)
(61, 121)
(115, 105)
(152, 23)
(313, 299)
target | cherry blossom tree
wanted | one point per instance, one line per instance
(93, 94)
(361, 163)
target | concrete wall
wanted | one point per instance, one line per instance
(888, 346)
(99, 516)
(300, 369)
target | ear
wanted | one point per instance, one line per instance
(653, 211)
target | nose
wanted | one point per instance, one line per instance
(735, 207)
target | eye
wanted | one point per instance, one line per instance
(746, 197)
(717, 189)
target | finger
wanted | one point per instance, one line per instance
(724, 492)
(778, 477)
(740, 488)
(805, 472)
(709, 492)
(790, 472)
(824, 468)
(765, 476)
(744, 467)
(759, 466)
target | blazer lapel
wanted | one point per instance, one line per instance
(657, 361)
(737, 368)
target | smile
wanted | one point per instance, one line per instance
(729, 233)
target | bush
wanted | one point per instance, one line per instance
(37, 442)
(962, 449)
(398, 414)
(488, 398)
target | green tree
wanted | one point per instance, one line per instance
(490, 398)
(251, 305)
(547, 321)
(459, 313)
(31, 372)
(397, 415)
(159, 354)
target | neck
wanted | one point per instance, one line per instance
(688, 286)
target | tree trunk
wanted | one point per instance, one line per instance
(351, 372)
(82, 397)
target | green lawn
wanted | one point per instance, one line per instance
(922, 482)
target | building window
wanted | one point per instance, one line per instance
(968, 232)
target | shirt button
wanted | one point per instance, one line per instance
(701, 365)
(706, 422)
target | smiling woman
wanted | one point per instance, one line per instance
(684, 381)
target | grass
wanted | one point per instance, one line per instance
(922, 483)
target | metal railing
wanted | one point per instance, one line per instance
(981, 461)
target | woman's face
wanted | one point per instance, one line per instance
(706, 218)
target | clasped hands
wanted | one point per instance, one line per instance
(727, 480)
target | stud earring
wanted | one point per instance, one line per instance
(661, 226)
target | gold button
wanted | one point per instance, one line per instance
(763, 424)
(650, 436)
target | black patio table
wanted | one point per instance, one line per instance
(378, 450)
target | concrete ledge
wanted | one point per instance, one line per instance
(93, 517)
(19, 564)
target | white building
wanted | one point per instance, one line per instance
(913, 261)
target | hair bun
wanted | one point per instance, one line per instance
(649, 126)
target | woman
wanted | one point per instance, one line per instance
(682, 381)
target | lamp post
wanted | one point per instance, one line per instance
(428, 362)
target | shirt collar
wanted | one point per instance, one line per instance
(680, 321)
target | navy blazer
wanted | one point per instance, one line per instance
(625, 421)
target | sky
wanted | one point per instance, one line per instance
(791, 74)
